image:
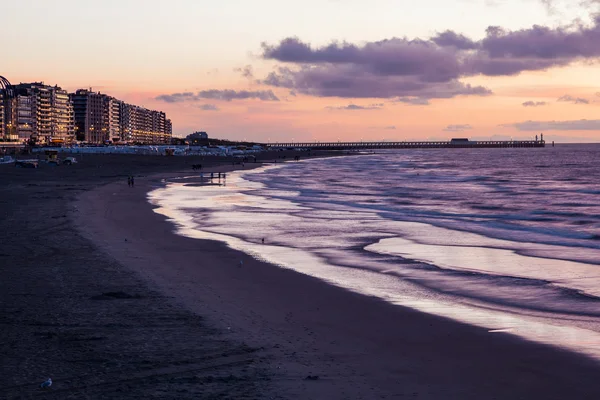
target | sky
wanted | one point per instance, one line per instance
(325, 70)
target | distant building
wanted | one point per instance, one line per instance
(197, 138)
(40, 112)
(8, 130)
(100, 118)
(168, 128)
(48, 114)
(8, 118)
(91, 115)
(140, 125)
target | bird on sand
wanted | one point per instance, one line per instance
(47, 384)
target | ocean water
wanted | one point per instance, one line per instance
(504, 239)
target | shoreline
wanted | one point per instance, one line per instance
(358, 346)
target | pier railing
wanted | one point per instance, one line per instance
(406, 145)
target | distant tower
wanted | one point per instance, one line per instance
(542, 138)
(536, 138)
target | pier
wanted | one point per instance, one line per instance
(452, 144)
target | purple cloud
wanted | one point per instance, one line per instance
(350, 81)
(354, 107)
(247, 71)
(574, 100)
(426, 68)
(534, 103)
(208, 107)
(228, 95)
(453, 39)
(576, 125)
(224, 95)
(415, 101)
(176, 97)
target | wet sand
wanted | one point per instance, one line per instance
(101, 295)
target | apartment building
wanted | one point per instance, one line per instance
(113, 114)
(24, 113)
(144, 126)
(40, 112)
(90, 111)
(100, 118)
(168, 129)
(62, 118)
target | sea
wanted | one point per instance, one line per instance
(504, 239)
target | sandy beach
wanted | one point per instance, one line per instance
(100, 294)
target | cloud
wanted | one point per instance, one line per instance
(354, 107)
(576, 125)
(453, 39)
(534, 103)
(224, 95)
(351, 81)
(228, 95)
(415, 101)
(458, 128)
(574, 100)
(426, 68)
(389, 127)
(177, 97)
(247, 71)
(208, 107)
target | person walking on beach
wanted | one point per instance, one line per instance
(129, 180)
(132, 181)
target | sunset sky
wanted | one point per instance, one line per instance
(324, 69)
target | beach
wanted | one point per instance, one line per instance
(101, 295)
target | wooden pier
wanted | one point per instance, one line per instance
(451, 144)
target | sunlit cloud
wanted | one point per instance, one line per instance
(354, 107)
(247, 71)
(458, 128)
(208, 107)
(534, 103)
(224, 95)
(575, 100)
(415, 101)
